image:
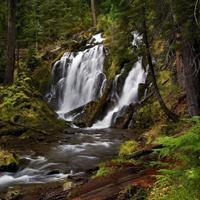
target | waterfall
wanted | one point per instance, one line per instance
(129, 94)
(78, 78)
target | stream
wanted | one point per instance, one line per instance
(72, 153)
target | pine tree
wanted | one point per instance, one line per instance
(11, 42)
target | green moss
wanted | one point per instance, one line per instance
(128, 147)
(164, 76)
(103, 171)
(8, 161)
(22, 103)
(112, 70)
(14, 195)
(133, 193)
(121, 160)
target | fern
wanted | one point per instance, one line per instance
(182, 182)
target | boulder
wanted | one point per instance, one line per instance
(123, 118)
(8, 161)
(94, 110)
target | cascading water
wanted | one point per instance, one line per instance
(78, 78)
(129, 94)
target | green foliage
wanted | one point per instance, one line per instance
(132, 193)
(46, 21)
(128, 147)
(22, 103)
(103, 171)
(118, 39)
(31, 61)
(123, 161)
(8, 161)
(182, 181)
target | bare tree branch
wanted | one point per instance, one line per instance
(195, 12)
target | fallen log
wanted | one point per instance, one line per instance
(145, 151)
(108, 187)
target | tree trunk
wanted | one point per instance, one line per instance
(191, 60)
(94, 17)
(170, 114)
(179, 61)
(11, 40)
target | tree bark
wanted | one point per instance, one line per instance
(170, 114)
(94, 17)
(179, 61)
(191, 60)
(11, 42)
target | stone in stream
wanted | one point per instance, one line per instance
(14, 195)
(70, 131)
(8, 161)
(53, 172)
(123, 118)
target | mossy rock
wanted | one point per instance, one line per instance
(103, 171)
(133, 193)
(22, 103)
(14, 195)
(128, 148)
(8, 161)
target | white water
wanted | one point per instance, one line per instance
(83, 151)
(81, 80)
(81, 77)
(129, 94)
(96, 39)
(35, 172)
(137, 39)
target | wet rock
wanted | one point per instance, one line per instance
(94, 110)
(70, 131)
(14, 195)
(68, 185)
(8, 161)
(81, 120)
(141, 91)
(13, 131)
(123, 118)
(98, 84)
(53, 172)
(77, 177)
(74, 112)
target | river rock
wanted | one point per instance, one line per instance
(75, 112)
(70, 131)
(95, 109)
(13, 195)
(8, 161)
(53, 172)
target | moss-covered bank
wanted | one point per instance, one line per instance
(21, 103)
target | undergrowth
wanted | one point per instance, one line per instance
(181, 180)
